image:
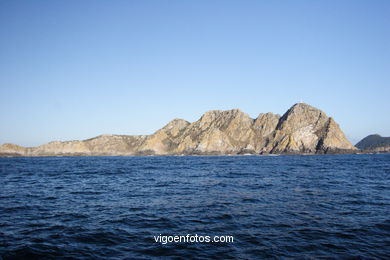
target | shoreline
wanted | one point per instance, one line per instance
(4, 155)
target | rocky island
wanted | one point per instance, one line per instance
(303, 129)
(374, 143)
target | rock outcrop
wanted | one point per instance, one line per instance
(374, 143)
(302, 129)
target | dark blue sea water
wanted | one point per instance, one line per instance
(301, 207)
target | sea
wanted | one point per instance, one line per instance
(259, 207)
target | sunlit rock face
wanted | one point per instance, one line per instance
(305, 129)
(302, 129)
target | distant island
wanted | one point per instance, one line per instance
(374, 143)
(303, 129)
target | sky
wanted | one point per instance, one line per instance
(72, 70)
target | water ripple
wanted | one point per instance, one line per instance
(300, 207)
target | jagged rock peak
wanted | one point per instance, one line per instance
(177, 122)
(175, 127)
(213, 114)
(266, 123)
(223, 118)
(301, 115)
(304, 128)
(266, 116)
(301, 105)
(303, 108)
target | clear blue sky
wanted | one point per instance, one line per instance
(76, 69)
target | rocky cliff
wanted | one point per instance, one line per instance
(302, 129)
